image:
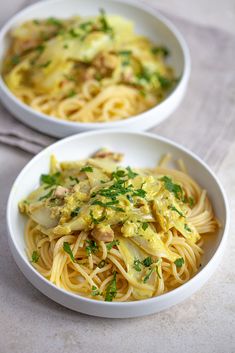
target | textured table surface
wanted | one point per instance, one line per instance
(32, 323)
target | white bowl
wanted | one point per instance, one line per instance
(140, 149)
(147, 21)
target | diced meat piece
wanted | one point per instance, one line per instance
(103, 233)
(105, 62)
(60, 192)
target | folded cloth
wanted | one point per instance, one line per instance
(204, 120)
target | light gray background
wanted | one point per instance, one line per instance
(205, 323)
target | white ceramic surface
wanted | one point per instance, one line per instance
(141, 150)
(147, 21)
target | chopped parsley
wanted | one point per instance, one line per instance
(96, 220)
(174, 188)
(130, 173)
(105, 27)
(160, 50)
(68, 250)
(179, 262)
(173, 208)
(72, 178)
(15, 59)
(45, 65)
(146, 278)
(137, 265)
(113, 243)
(139, 193)
(111, 290)
(186, 227)
(92, 247)
(129, 198)
(191, 201)
(35, 256)
(40, 48)
(75, 212)
(50, 180)
(145, 225)
(109, 205)
(95, 291)
(71, 93)
(54, 22)
(87, 169)
(148, 261)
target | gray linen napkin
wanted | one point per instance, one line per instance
(207, 108)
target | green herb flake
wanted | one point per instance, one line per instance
(160, 50)
(125, 52)
(96, 220)
(95, 291)
(129, 198)
(54, 22)
(109, 205)
(146, 278)
(92, 247)
(113, 243)
(179, 262)
(173, 208)
(111, 290)
(130, 173)
(137, 265)
(75, 212)
(186, 227)
(191, 201)
(49, 179)
(148, 261)
(45, 65)
(71, 94)
(72, 178)
(35, 256)
(139, 193)
(170, 186)
(87, 169)
(105, 27)
(145, 225)
(40, 48)
(36, 22)
(68, 250)
(15, 59)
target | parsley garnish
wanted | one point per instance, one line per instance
(87, 169)
(160, 50)
(125, 52)
(173, 208)
(40, 48)
(71, 94)
(75, 212)
(54, 21)
(15, 59)
(35, 257)
(72, 178)
(129, 198)
(146, 278)
(96, 220)
(147, 261)
(95, 291)
(105, 27)
(139, 192)
(92, 247)
(186, 227)
(53, 179)
(113, 243)
(174, 188)
(109, 204)
(111, 290)
(191, 201)
(179, 262)
(131, 174)
(68, 250)
(137, 265)
(46, 64)
(145, 225)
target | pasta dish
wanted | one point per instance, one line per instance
(94, 69)
(114, 233)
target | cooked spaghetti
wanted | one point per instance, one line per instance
(86, 69)
(109, 232)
